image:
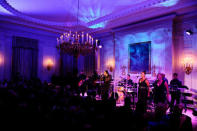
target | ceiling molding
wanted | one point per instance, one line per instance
(142, 6)
(109, 17)
(12, 10)
(156, 16)
(161, 19)
(41, 26)
(28, 24)
(13, 29)
(147, 21)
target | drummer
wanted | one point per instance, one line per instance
(128, 81)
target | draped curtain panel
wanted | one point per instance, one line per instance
(89, 64)
(85, 64)
(66, 64)
(24, 57)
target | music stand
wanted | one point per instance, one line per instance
(185, 101)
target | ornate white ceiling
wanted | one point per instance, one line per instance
(92, 13)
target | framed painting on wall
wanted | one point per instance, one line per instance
(140, 57)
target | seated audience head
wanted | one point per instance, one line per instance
(95, 72)
(160, 110)
(127, 101)
(75, 72)
(140, 108)
(82, 72)
(177, 110)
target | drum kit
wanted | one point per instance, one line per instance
(124, 90)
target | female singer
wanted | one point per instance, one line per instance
(161, 92)
(106, 88)
(143, 91)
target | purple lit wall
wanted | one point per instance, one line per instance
(159, 32)
(169, 46)
(46, 47)
(186, 45)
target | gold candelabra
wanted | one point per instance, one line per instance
(188, 68)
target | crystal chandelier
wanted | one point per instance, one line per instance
(76, 43)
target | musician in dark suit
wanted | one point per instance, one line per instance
(128, 81)
(175, 84)
(82, 83)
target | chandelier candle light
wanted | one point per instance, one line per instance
(75, 43)
(188, 65)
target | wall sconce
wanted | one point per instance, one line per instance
(111, 64)
(188, 65)
(1, 59)
(48, 63)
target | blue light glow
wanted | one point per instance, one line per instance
(99, 25)
(93, 12)
(4, 11)
(168, 3)
(87, 19)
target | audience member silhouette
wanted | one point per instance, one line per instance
(31, 100)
